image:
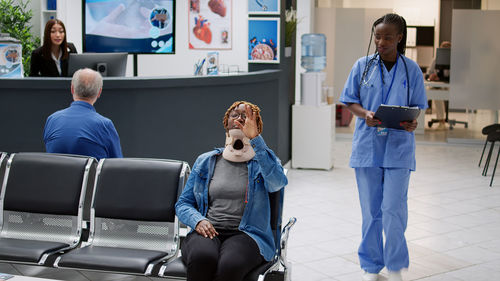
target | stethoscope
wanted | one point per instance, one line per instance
(365, 81)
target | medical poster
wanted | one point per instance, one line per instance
(264, 7)
(263, 40)
(210, 24)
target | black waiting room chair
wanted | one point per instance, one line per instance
(133, 226)
(486, 131)
(277, 269)
(41, 205)
(492, 137)
(3, 161)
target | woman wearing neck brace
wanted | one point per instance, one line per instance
(226, 201)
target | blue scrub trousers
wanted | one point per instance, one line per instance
(383, 196)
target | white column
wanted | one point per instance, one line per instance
(305, 15)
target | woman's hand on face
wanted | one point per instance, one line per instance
(409, 126)
(249, 127)
(205, 228)
(371, 121)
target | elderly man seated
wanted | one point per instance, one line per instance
(79, 129)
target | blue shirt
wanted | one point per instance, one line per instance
(79, 129)
(397, 148)
(265, 174)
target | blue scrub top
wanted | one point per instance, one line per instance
(397, 148)
(79, 129)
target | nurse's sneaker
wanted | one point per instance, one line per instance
(395, 276)
(367, 276)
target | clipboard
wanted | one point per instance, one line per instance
(392, 115)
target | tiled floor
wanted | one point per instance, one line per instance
(454, 218)
(453, 231)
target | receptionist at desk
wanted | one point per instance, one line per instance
(51, 59)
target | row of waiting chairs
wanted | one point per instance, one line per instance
(115, 215)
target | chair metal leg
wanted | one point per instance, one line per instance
(488, 158)
(495, 168)
(482, 154)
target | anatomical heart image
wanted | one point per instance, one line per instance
(218, 7)
(210, 24)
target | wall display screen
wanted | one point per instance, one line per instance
(132, 26)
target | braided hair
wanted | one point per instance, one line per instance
(397, 21)
(253, 107)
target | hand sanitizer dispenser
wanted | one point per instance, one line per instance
(314, 61)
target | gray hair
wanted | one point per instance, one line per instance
(86, 83)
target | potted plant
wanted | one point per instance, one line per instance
(290, 28)
(15, 20)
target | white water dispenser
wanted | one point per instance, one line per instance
(313, 59)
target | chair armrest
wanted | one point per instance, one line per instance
(283, 244)
(285, 233)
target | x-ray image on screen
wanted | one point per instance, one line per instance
(133, 26)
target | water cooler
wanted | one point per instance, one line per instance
(313, 60)
(11, 57)
(313, 121)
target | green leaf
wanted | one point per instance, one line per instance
(15, 20)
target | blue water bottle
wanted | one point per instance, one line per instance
(313, 52)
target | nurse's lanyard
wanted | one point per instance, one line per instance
(384, 100)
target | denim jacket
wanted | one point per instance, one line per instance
(265, 174)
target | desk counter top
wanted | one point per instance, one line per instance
(158, 117)
(436, 90)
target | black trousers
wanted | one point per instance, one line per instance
(227, 257)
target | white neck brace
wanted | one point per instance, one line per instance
(237, 148)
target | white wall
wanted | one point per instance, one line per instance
(180, 63)
(422, 12)
(305, 16)
(323, 19)
(490, 5)
(352, 31)
(474, 73)
(348, 31)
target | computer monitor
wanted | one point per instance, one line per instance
(443, 57)
(108, 64)
(443, 63)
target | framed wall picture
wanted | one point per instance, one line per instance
(210, 24)
(264, 7)
(263, 40)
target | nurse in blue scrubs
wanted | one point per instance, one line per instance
(382, 157)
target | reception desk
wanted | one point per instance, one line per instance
(157, 117)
